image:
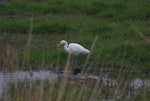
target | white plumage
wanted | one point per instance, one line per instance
(73, 48)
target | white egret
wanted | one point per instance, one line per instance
(73, 48)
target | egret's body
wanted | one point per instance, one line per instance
(73, 48)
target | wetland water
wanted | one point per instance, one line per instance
(6, 78)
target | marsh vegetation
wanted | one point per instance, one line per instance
(117, 33)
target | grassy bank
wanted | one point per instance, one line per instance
(115, 22)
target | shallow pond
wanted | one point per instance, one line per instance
(6, 78)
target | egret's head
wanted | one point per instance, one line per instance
(62, 43)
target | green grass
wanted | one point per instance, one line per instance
(118, 24)
(118, 44)
(116, 9)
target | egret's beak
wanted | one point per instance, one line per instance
(59, 45)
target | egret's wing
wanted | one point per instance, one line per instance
(74, 48)
(77, 48)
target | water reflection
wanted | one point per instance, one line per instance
(139, 83)
(6, 78)
(135, 84)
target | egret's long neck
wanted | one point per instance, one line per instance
(66, 47)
